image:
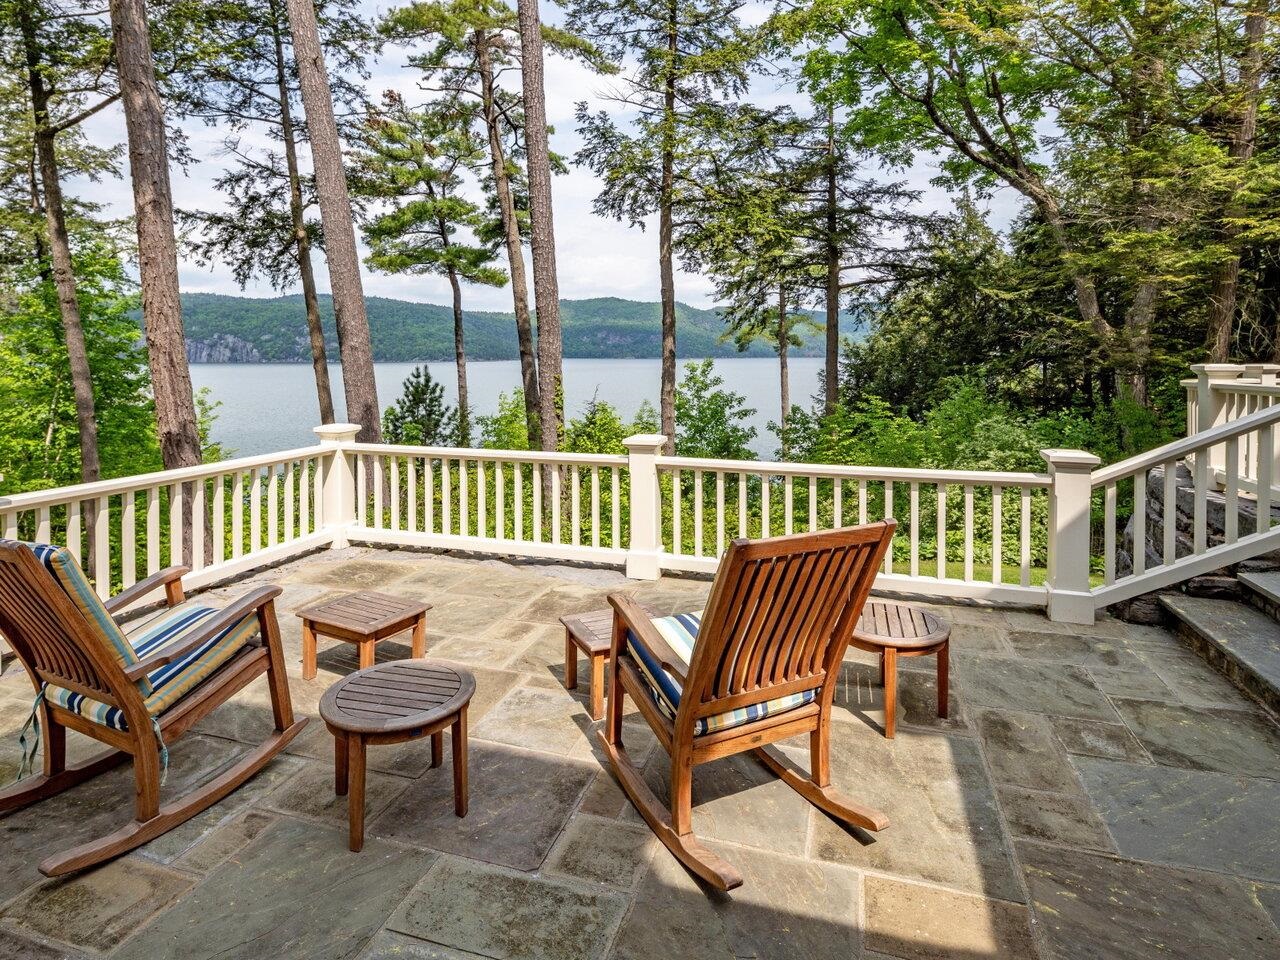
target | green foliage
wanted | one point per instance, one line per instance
(710, 420)
(420, 416)
(505, 429)
(39, 445)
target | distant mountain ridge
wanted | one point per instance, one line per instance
(230, 329)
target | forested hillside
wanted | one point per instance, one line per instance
(224, 329)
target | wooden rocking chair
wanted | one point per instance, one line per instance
(133, 690)
(760, 664)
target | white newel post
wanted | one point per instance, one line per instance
(339, 479)
(1071, 471)
(642, 466)
(1211, 405)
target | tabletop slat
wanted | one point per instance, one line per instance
(396, 696)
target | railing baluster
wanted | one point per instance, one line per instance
(813, 504)
(273, 513)
(1109, 534)
(482, 509)
(73, 528)
(677, 528)
(997, 534)
(1140, 522)
(787, 504)
(43, 526)
(289, 483)
(765, 518)
(1266, 460)
(411, 490)
(697, 513)
(175, 523)
(555, 504)
(595, 506)
(464, 499)
(362, 492)
(719, 513)
(615, 491)
(888, 514)
(968, 533)
(317, 496)
(941, 531)
(1231, 507)
(575, 507)
(1024, 537)
(743, 481)
(517, 473)
(914, 544)
(255, 510)
(428, 495)
(499, 502)
(837, 502)
(11, 526)
(535, 478)
(128, 539)
(220, 516)
(102, 549)
(237, 515)
(395, 493)
(862, 501)
(197, 525)
(446, 497)
(377, 480)
(1170, 512)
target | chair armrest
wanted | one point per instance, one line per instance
(637, 620)
(170, 578)
(224, 618)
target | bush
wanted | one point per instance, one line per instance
(421, 417)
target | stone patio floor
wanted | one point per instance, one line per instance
(1097, 792)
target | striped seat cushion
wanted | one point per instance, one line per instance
(168, 684)
(681, 633)
(68, 575)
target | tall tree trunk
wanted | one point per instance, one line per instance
(460, 358)
(1226, 275)
(666, 269)
(157, 245)
(546, 288)
(511, 236)
(302, 242)
(64, 277)
(354, 342)
(831, 389)
(784, 374)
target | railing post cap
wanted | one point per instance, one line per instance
(645, 442)
(336, 432)
(1218, 371)
(1071, 460)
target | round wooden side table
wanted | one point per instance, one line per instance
(896, 630)
(392, 703)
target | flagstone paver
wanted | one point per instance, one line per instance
(1096, 792)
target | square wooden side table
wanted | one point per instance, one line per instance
(592, 633)
(362, 618)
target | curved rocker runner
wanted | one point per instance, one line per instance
(134, 690)
(759, 665)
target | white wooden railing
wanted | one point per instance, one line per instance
(1051, 539)
(1222, 393)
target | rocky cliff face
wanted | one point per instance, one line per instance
(222, 348)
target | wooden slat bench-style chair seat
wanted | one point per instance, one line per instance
(134, 690)
(758, 665)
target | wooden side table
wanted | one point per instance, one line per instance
(592, 633)
(392, 703)
(900, 630)
(362, 618)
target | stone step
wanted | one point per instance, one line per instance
(1264, 586)
(1239, 641)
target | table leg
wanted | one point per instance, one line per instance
(597, 686)
(437, 748)
(420, 637)
(944, 678)
(355, 790)
(570, 662)
(460, 789)
(308, 651)
(890, 690)
(882, 668)
(340, 764)
(368, 653)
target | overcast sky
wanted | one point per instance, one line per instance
(596, 257)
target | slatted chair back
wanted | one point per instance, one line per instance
(53, 637)
(780, 616)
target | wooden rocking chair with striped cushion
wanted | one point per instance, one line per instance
(132, 689)
(759, 665)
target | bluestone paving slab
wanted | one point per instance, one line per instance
(228, 839)
(1080, 649)
(1241, 640)
(1095, 907)
(1192, 680)
(1053, 817)
(1057, 689)
(355, 574)
(508, 916)
(787, 909)
(860, 698)
(916, 922)
(294, 891)
(1202, 738)
(602, 851)
(97, 909)
(310, 792)
(389, 945)
(973, 639)
(1188, 817)
(1088, 738)
(520, 801)
(15, 946)
(1133, 684)
(1023, 751)
(943, 824)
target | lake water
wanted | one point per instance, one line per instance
(272, 406)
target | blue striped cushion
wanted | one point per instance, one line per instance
(169, 683)
(681, 634)
(68, 575)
